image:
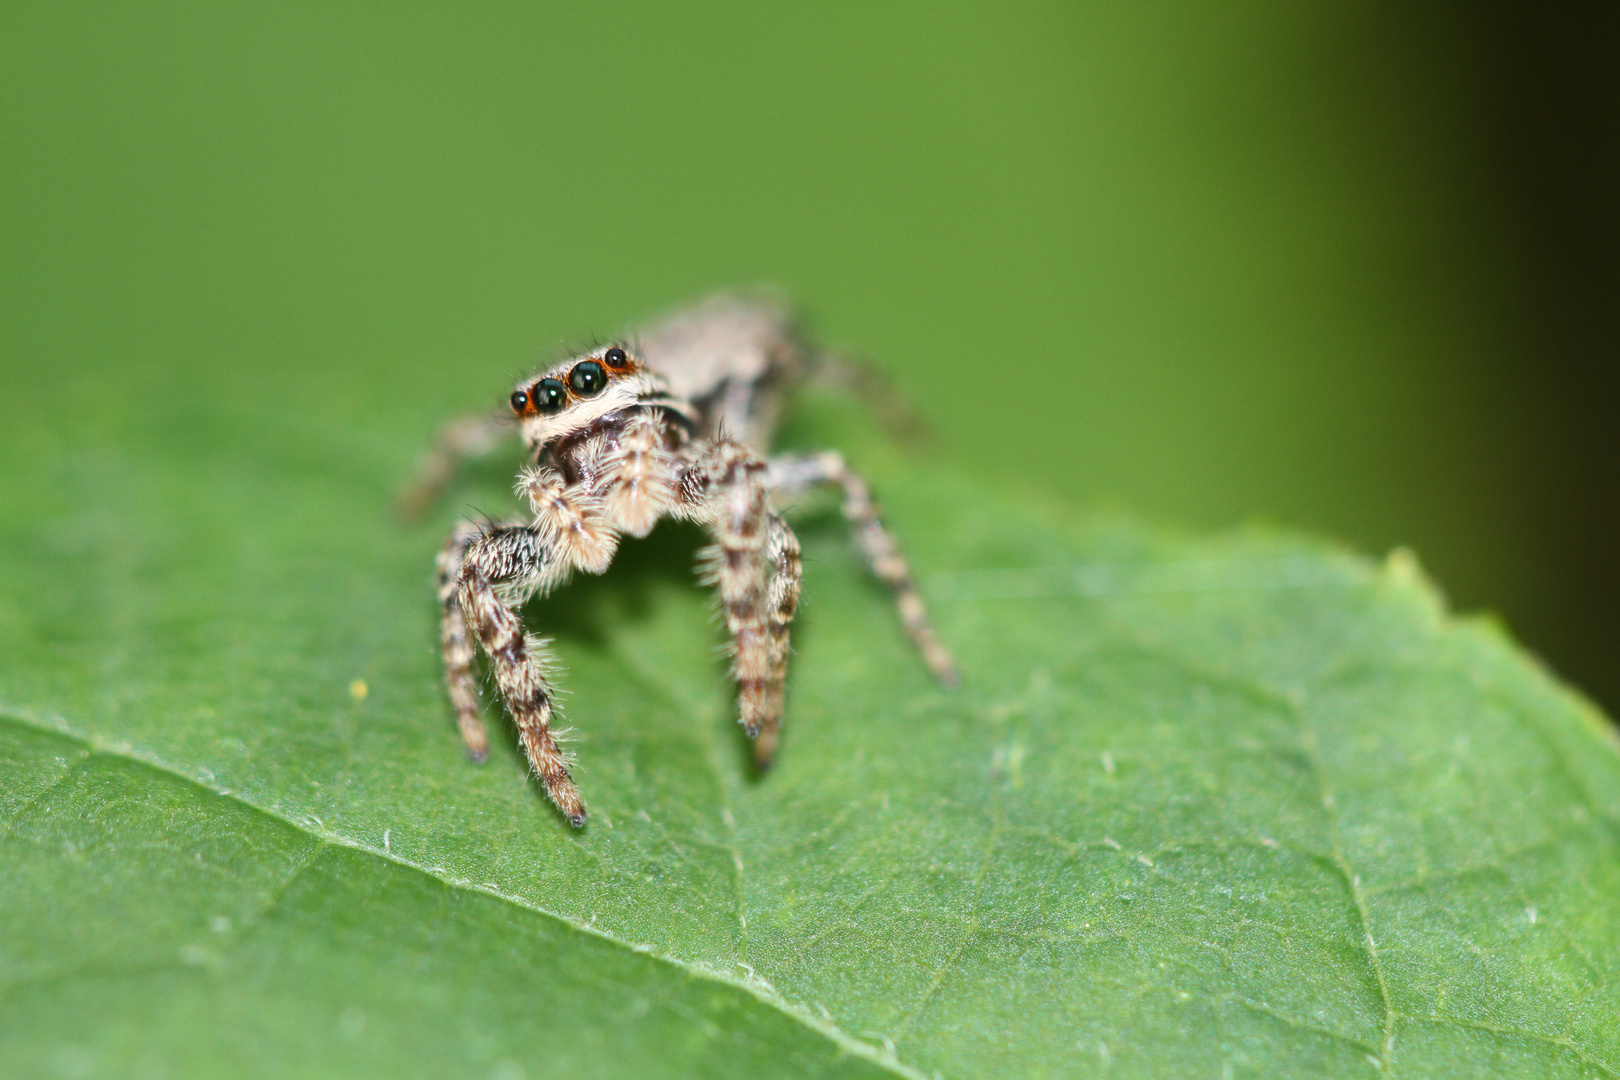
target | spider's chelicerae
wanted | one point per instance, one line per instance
(675, 425)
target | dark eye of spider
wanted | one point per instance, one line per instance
(587, 378)
(549, 395)
(519, 400)
(615, 357)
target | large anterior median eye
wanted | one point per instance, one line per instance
(587, 378)
(549, 395)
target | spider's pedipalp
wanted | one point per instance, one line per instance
(571, 519)
(640, 474)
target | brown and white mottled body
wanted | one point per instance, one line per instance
(677, 425)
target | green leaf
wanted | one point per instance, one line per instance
(1241, 806)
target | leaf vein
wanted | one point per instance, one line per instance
(1563, 1042)
(39, 796)
(331, 837)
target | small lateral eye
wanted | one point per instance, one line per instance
(587, 378)
(549, 395)
(615, 358)
(520, 401)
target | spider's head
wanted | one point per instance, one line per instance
(575, 394)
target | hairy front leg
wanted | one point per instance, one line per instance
(498, 567)
(755, 566)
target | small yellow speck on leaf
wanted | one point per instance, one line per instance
(358, 689)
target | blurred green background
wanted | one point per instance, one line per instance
(1341, 266)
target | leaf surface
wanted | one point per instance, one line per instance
(1234, 806)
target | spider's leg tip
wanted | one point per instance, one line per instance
(478, 757)
(577, 819)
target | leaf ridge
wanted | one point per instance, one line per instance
(1353, 881)
(1297, 1024)
(1563, 1042)
(39, 796)
(729, 820)
(973, 928)
(279, 893)
(1561, 756)
(1497, 862)
(656, 687)
(328, 837)
(1292, 705)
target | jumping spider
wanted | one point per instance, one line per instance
(676, 425)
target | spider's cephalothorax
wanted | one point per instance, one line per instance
(618, 438)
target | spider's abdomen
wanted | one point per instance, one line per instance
(730, 358)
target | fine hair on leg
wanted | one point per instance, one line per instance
(457, 646)
(792, 473)
(755, 566)
(781, 603)
(498, 570)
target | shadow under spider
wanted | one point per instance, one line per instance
(582, 610)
